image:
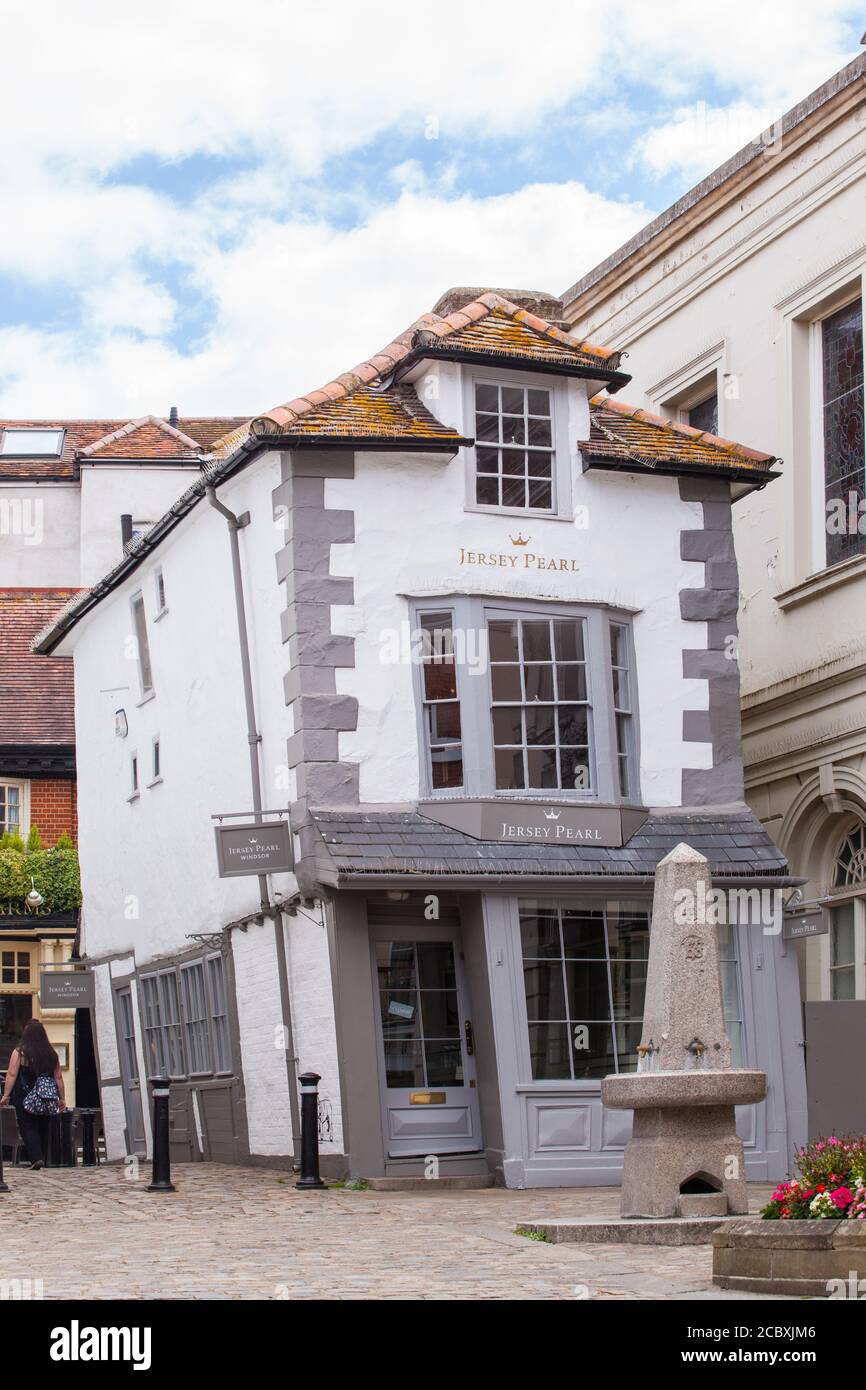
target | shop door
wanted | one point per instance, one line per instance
(427, 1066)
(129, 1073)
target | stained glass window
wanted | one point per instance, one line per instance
(842, 355)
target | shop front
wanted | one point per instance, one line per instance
(476, 1020)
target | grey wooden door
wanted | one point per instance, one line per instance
(129, 1073)
(426, 1049)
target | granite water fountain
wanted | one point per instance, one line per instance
(684, 1158)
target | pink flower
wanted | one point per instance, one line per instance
(842, 1197)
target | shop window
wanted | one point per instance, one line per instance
(841, 347)
(154, 1050)
(15, 967)
(584, 972)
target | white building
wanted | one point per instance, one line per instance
(491, 679)
(742, 311)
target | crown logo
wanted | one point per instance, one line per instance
(552, 815)
(520, 540)
(253, 840)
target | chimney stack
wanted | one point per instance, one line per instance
(125, 529)
(172, 416)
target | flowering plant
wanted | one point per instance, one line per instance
(832, 1183)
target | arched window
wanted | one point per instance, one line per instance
(847, 962)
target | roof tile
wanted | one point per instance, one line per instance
(623, 434)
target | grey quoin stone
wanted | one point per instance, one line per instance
(685, 1090)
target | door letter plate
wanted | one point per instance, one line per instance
(427, 1098)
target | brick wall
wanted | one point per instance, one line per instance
(53, 808)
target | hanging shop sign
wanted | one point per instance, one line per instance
(254, 849)
(65, 989)
(798, 925)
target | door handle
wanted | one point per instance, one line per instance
(470, 1043)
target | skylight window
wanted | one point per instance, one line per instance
(31, 443)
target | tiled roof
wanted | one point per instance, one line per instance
(396, 415)
(36, 693)
(149, 437)
(625, 434)
(367, 843)
(488, 327)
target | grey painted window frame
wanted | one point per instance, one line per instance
(176, 969)
(470, 612)
(563, 505)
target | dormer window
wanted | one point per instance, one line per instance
(31, 443)
(514, 450)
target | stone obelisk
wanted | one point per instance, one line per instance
(684, 1157)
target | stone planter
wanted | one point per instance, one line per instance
(791, 1257)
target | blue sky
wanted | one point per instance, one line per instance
(221, 205)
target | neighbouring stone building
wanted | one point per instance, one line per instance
(64, 487)
(742, 311)
(443, 615)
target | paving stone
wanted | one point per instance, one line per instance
(241, 1233)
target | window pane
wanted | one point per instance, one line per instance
(592, 1044)
(512, 400)
(539, 683)
(583, 933)
(509, 769)
(539, 930)
(842, 354)
(487, 492)
(505, 681)
(487, 397)
(538, 402)
(145, 674)
(545, 989)
(404, 1064)
(395, 961)
(536, 641)
(843, 983)
(502, 637)
(539, 724)
(219, 1015)
(507, 724)
(31, 443)
(705, 415)
(549, 1051)
(842, 935)
(542, 768)
(513, 492)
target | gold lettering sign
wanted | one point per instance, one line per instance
(520, 561)
(427, 1098)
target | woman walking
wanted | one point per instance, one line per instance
(34, 1085)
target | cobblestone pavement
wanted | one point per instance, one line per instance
(231, 1232)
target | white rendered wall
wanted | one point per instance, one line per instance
(410, 526)
(108, 490)
(263, 1054)
(39, 536)
(313, 1019)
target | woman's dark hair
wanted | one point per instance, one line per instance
(37, 1054)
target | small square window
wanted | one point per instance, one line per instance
(156, 760)
(515, 449)
(160, 592)
(133, 774)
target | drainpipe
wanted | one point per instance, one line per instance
(254, 738)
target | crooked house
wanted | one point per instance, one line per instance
(475, 617)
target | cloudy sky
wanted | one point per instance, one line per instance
(221, 203)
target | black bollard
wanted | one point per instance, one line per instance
(309, 1083)
(88, 1141)
(161, 1176)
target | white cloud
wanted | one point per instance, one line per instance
(291, 296)
(129, 301)
(295, 303)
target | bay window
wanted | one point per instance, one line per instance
(536, 699)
